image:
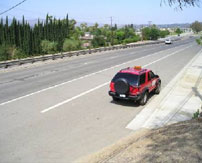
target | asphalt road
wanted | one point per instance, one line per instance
(60, 111)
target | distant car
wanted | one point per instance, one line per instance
(134, 84)
(168, 41)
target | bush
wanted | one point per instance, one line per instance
(153, 33)
(198, 41)
(18, 54)
(178, 31)
(163, 34)
(71, 44)
(98, 41)
(5, 52)
(132, 39)
(146, 33)
(136, 38)
(48, 46)
(196, 114)
(116, 41)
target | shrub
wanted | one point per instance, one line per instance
(132, 39)
(98, 41)
(48, 46)
(71, 44)
(18, 54)
(196, 114)
(198, 41)
(5, 52)
(163, 34)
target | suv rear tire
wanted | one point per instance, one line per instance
(144, 98)
(121, 86)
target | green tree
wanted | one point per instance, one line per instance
(164, 33)
(146, 33)
(120, 35)
(196, 26)
(178, 31)
(154, 33)
(84, 27)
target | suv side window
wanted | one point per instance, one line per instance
(142, 78)
(150, 75)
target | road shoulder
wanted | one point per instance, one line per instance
(177, 101)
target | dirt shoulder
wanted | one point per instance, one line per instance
(180, 142)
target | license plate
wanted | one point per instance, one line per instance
(122, 95)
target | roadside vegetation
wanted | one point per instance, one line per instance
(197, 28)
(199, 40)
(153, 33)
(20, 40)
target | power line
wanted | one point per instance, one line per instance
(12, 7)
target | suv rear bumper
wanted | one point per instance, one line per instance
(128, 97)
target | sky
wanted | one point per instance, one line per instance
(91, 11)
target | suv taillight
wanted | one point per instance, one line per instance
(133, 90)
(112, 87)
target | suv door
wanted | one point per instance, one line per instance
(151, 81)
(142, 81)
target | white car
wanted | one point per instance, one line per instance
(168, 41)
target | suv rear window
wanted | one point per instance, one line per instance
(131, 78)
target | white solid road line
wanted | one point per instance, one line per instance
(75, 97)
(58, 85)
(102, 85)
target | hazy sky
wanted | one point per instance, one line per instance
(122, 11)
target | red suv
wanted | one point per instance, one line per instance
(134, 84)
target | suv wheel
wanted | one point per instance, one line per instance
(144, 99)
(121, 86)
(158, 88)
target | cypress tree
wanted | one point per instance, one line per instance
(1, 32)
(67, 26)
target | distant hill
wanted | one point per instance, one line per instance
(32, 22)
(176, 25)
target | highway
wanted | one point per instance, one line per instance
(61, 111)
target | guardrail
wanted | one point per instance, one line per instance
(18, 62)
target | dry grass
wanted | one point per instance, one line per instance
(180, 142)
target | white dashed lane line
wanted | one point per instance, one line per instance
(61, 84)
(104, 84)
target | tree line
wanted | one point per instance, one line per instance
(19, 40)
